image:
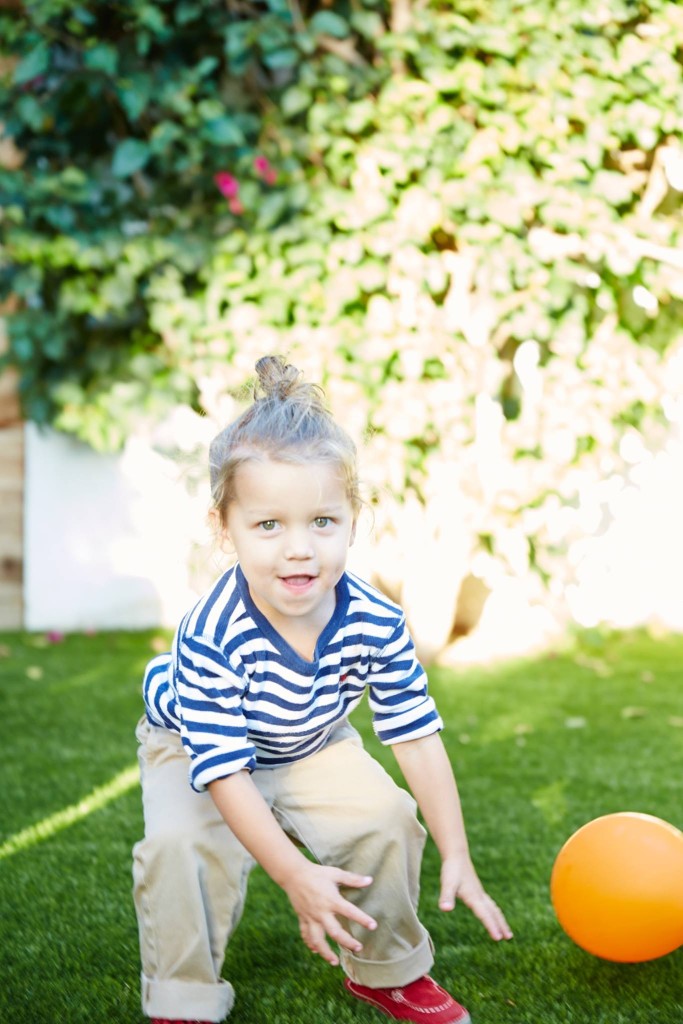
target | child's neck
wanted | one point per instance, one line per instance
(303, 634)
(303, 641)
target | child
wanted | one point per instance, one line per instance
(252, 704)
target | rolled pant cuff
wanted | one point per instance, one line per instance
(185, 1000)
(390, 973)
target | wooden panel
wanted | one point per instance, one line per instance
(12, 458)
(11, 526)
(10, 412)
(11, 610)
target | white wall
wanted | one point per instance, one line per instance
(631, 574)
(108, 538)
(118, 541)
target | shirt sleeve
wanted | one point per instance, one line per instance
(158, 693)
(401, 706)
(212, 724)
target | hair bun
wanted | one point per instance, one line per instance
(276, 377)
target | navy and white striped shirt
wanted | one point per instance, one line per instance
(241, 697)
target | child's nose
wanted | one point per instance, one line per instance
(298, 544)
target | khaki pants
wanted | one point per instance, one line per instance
(190, 872)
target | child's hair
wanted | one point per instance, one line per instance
(287, 422)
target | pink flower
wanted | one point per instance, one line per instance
(235, 206)
(227, 184)
(265, 170)
(54, 636)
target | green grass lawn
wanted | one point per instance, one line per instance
(539, 747)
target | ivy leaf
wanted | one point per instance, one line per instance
(295, 100)
(61, 216)
(223, 131)
(102, 58)
(39, 409)
(31, 112)
(164, 135)
(134, 94)
(205, 67)
(367, 24)
(33, 65)
(152, 18)
(282, 59)
(327, 23)
(187, 12)
(130, 156)
(239, 45)
(271, 210)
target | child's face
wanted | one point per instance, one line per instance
(291, 527)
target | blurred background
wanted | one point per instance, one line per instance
(463, 219)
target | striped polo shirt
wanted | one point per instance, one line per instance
(241, 697)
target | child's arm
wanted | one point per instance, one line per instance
(427, 770)
(313, 889)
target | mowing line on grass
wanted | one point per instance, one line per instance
(94, 801)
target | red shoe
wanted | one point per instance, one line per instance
(422, 1000)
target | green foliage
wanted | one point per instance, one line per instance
(464, 218)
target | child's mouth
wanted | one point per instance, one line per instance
(297, 582)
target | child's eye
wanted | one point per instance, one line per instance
(322, 521)
(268, 525)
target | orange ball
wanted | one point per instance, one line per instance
(617, 887)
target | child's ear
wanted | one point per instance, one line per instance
(220, 531)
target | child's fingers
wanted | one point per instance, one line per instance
(351, 879)
(348, 909)
(452, 886)
(339, 934)
(447, 896)
(345, 907)
(491, 916)
(320, 907)
(468, 889)
(314, 937)
(354, 913)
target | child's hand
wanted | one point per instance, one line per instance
(459, 879)
(313, 891)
